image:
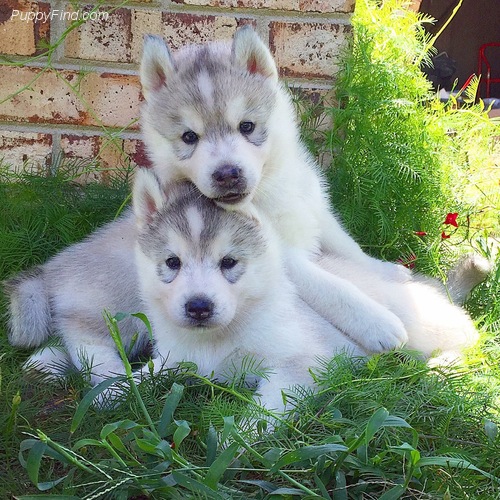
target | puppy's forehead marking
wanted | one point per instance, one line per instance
(195, 223)
(206, 88)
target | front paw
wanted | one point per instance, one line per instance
(382, 332)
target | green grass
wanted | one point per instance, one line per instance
(388, 428)
(391, 426)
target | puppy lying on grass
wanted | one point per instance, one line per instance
(212, 283)
(214, 286)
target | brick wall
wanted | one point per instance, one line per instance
(81, 100)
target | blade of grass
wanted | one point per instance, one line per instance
(87, 401)
(171, 402)
(220, 465)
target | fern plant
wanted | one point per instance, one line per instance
(403, 160)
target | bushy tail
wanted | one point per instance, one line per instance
(465, 275)
(29, 308)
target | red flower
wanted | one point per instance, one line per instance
(420, 233)
(451, 219)
(408, 261)
(444, 235)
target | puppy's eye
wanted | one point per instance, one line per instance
(228, 263)
(246, 128)
(190, 137)
(173, 263)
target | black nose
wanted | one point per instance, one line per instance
(227, 176)
(199, 308)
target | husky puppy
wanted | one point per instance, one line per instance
(216, 291)
(211, 281)
(217, 115)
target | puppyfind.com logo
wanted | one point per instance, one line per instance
(63, 15)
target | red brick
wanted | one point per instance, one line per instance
(135, 149)
(113, 157)
(327, 6)
(101, 39)
(21, 35)
(307, 50)
(107, 152)
(81, 152)
(106, 98)
(248, 4)
(143, 22)
(80, 147)
(113, 98)
(38, 96)
(181, 29)
(324, 6)
(25, 150)
(98, 158)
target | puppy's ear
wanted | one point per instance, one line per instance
(249, 51)
(157, 64)
(148, 197)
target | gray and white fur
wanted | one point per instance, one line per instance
(217, 115)
(212, 283)
(66, 297)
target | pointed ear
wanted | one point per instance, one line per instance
(250, 52)
(157, 64)
(148, 197)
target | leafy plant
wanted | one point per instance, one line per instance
(378, 455)
(388, 428)
(402, 159)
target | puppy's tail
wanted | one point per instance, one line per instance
(29, 309)
(471, 270)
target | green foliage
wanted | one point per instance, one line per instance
(388, 428)
(403, 160)
(43, 214)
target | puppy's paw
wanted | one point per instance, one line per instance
(382, 331)
(50, 361)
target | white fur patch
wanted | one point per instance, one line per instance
(206, 89)
(196, 225)
(192, 120)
